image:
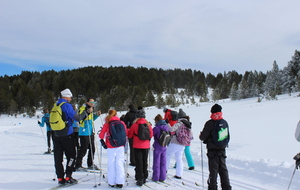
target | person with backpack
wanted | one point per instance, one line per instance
(86, 137)
(141, 132)
(64, 142)
(171, 116)
(128, 120)
(114, 131)
(216, 148)
(183, 136)
(45, 120)
(187, 149)
(159, 152)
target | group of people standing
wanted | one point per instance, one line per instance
(65, 141)
(139, 148)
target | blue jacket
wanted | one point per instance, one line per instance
(87, 125)
(69, 114)
(45, 119)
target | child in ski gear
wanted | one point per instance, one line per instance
(64, 142)
(128, 120)
(176, 147)
(168, 117)
(216, 154)
(187, 149)
(86, 136)
(141, 148)
(45, 120)
(115, 171)
(159, 153)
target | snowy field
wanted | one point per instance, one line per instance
(260, 153)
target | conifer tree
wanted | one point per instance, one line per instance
(273, 83)
(290, 73)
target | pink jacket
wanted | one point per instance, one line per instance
(104, 132)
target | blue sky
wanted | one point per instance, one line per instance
(210, 36)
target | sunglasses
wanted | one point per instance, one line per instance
(92, 102)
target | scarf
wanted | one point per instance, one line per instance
(216, 116)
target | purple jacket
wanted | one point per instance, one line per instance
(159, 126)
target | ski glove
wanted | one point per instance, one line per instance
(103, 144)
(297, 158)
(39, 122)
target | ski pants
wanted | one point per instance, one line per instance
(115, 170)
(188, 156)
(50, 135)
(159, 165)
(64, 145)
(141, 158)
(86, 144)
(177, 150)
(217, 165)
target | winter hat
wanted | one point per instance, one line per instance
(131, 106)
(216, 108)
(165, 109)
(66, 93)
(181, 113)
(141, 114)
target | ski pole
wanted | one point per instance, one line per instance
(100, 165)
(126, 164)
(202, 166)
(91, 150)
(43, 133)
(149, 162)
(100, 161)
(291, 178)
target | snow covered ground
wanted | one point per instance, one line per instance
(260, 154)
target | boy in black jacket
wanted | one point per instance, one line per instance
(216, 154)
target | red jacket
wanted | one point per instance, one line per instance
(168, 118)
(104, 132)
(133, 131)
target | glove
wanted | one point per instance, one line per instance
(39, 122)
(297, 158)
(103, 144)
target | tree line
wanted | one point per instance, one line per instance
(118, 87)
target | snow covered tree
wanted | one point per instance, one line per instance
(243, 89)
(233, 92)
(290, 73)
(273, 83)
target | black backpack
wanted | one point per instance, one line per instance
(117, 133)
(143, 132)
(164, 138)
(220, 133)
(174, 115)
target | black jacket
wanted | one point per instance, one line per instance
(205, 136)
(130, 117)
